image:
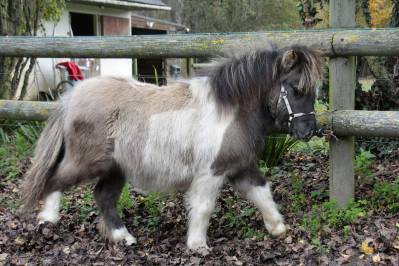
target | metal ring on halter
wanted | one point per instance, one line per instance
(292, 115)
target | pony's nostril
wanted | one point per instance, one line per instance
(309, 134)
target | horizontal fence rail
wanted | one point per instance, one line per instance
(379, 42)
(343, 123)
(26, 110)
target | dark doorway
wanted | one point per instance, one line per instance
(82, 24)
(150, 70)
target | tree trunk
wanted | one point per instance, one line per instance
(384, 94)
(17, 17)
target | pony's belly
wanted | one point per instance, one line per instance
(148, 182)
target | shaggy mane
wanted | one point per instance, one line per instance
(247, 78)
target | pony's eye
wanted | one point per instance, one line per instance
(297, 93)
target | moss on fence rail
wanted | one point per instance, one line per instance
(329, 42)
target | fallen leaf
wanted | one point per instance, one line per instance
(365, 248)
(19, 241)
(288, 240)
(3, 256)
(376, 258)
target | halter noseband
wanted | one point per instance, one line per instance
(292, 115)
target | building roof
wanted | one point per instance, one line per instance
(148, 2)
(145, 22)
(129, 4)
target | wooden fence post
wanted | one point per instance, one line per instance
(342, 97)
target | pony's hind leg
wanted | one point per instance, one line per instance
(254, 187)
(51, 209)
(106, 193)
(64, 177)
(200, 200)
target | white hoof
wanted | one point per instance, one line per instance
(122, 234)
(51, 209)
(277, 229)
(46, 216)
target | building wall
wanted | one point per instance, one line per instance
(46, 77)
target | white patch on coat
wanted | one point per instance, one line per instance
(121, 234)
(200, 200)
(51, 209)
(262, 197)
(182, 144)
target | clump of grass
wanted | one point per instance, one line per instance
(17, 145)
(276, 147)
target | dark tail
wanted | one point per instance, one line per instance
(47, 153)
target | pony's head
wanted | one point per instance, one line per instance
(281, 81)
(296, 75)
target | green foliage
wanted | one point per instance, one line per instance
(153, 204)
(363, 162)
(296, 195)
(125, 201)
(386, 194)
(328, 215)
(52, 9)
(314, 146)
(380, 147)
(23, 18)
(11, 203)
(275, 149)
(240, 220)
(243, 15)
(17, 142)
(86, 204)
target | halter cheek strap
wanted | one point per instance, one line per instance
(291, 114)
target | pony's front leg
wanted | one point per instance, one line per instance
(254, 187)
(200, 201)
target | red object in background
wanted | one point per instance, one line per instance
(73, 69)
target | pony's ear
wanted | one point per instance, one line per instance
(289, 59)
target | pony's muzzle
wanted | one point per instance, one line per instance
(303, 128)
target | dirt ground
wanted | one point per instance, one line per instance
(76, 241)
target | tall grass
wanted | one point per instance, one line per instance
(17, 141)
(276, 147)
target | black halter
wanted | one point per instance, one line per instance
(292, 115)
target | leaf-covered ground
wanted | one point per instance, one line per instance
(320, 234)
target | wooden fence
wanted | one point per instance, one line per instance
(329, 42)
(341, 45)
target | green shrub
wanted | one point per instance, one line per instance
(386, 193)
(363, 162)
(328, 215)
(314, 146)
